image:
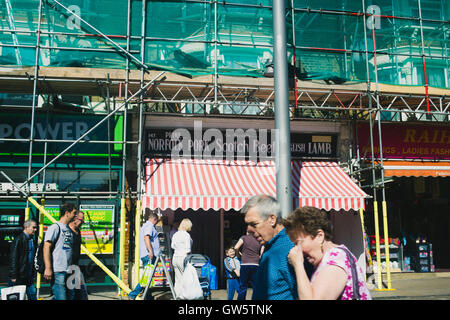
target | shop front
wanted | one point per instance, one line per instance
(206, 171)
(88, 175)
(417, 181)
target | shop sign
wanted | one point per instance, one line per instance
(403, 141)
(57, 127)
(34, 187)
(234, 144)
(9, 220)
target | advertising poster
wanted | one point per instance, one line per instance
(98, 228)
(97, 232)
(54, 212)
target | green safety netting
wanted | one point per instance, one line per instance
(332, 40)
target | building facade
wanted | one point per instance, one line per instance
(358, 71)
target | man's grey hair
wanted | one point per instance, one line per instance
(265, 205)
(28, 223)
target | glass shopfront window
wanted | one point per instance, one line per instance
(83, 180)
(17, 175)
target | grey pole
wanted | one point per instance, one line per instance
(282, 129)
(35, 80)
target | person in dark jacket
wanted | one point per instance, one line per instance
(21, 271)
(78, 292)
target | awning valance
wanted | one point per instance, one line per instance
(326, 186)
(416, 169)
(216, 184)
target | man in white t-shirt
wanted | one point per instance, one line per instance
(60, 238)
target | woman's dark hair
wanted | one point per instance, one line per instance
(307, 220)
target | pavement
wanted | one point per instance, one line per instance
(413, 286)
(404, 286)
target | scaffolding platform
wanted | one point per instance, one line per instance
(177, 88)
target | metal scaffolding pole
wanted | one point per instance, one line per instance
(124, 138)
(294, 56)
(216, 75)
(423, 56)
(139, 155)
(383, 192)
(36, 70)
(375, 204)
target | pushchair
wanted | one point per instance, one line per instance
(198, 261)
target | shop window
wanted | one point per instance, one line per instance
(86, 180)
(11, 224)
(390, 116)
(17, 175)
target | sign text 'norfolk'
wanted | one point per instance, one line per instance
(234, 144)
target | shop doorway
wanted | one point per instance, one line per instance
(11, 224)
(418, 210)
(206, 232)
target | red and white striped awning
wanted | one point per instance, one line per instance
(326, 186)
(216, 184)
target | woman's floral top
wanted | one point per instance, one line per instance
(338, 257)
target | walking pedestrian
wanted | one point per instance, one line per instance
(149, 248)
(251, 251)
(275, 278)
(60, 238)
(174, 229)
(232, 270)
(79, 291)
(333, 278)
(181, 244)
(21, 270)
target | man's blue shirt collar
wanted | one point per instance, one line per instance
(275, 238)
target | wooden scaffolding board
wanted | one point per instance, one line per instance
(175, 88)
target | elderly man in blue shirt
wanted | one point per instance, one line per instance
(275, 278)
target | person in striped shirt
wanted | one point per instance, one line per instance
(232, 269)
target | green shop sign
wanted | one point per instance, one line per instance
(60, 127)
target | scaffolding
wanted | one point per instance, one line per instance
(350, 61)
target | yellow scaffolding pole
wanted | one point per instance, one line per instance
(119, 282)
(41, 238)
(122, 241)
(27, 213)
(137, 224)
(386, 246)
(377, 244)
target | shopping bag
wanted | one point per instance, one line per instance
(188, 287)
(14, 293)
(148, 270)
